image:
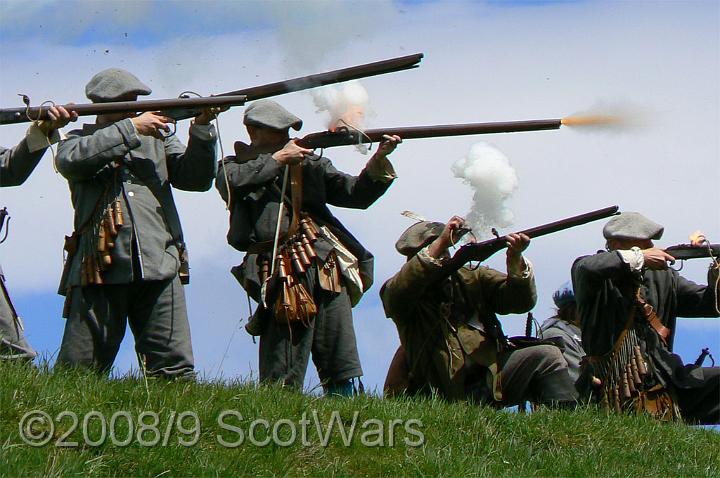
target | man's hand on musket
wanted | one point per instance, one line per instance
(387, 145)
(209, 114)
(291, 154)
(58, 117)
(151, 123)
(657, 259)
(516, 243)
(439, 247)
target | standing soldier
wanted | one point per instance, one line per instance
(452, 339)
(127, 249)
(320, 270)
(629, 301)
(16, 164)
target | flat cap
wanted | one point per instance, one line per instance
(564, 295)
(114, 83)
(269, 114)
(418, 236)
(632, 225)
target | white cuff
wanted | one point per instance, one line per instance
(526, 273)
(634, 258)
(425, 256)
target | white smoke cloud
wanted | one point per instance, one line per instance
(346, 104)
(493, 180)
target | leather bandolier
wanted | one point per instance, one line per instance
(628, 378)
(295, 257)
(100, 231)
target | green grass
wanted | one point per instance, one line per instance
(460, 439)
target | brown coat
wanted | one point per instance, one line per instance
(431, 315)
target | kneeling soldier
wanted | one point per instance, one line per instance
(453, 341)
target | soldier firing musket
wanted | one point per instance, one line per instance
(302, 266)
(126, 254)
(452, 342)
(629, 300)
(16, 165)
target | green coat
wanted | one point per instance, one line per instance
(431, 315)
(140, 171)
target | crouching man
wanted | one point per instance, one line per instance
(453, 341)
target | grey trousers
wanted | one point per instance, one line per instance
(284, 353)
(158, 319)
(12, 340)
(538, 373)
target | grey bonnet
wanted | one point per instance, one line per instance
(269, 114)
(632, 225)
(114, 83)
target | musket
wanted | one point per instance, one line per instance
(330, 77)
(689, 251)
(481, 251)
(701, 358)
(344, 136)
(176, 108)
(4, 215)
(18, 115)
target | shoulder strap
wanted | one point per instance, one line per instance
(648, 312)
(296, 194)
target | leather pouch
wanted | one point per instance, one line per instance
(329, 274)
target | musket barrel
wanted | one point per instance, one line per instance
(336, 76)
(483, 250)
(569, 222)
(416, 132)
(20, 115)
(345, 137)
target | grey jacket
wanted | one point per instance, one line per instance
(604, 284)
(16, 164)
(139, 170)
(255, 181)
(572, 343)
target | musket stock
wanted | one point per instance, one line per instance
(688, 251)
(481, 251)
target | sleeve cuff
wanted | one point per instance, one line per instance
(528, 271)
(380, 169)
(36, 139)
(425, 257)
(129, 133)
(633, 258)
(205, 132)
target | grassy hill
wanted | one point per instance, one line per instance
(210, 418)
